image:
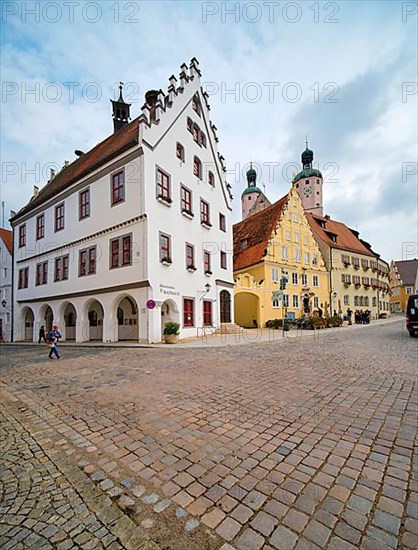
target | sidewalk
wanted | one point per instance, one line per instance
(244, 336)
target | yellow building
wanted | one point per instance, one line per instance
(274, 241)
(403, 282)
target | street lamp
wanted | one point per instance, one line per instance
(207, 287)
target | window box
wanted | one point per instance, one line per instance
(208, 272)
(164, 199)
(166, 261)
(208, 225)
(191, 268)
(187, 213)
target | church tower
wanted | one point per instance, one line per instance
(252, 199)
(309, 183)
(121, 111)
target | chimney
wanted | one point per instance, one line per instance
(35, 190)
(51, 174)
(151, 98)
(66, 163)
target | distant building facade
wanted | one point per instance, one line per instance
(273, 242)
(6, 253)
(403, 282)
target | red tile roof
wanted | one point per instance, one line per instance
(407, 270)
(7, 237)
(254, 232)
(347, 239)
(108, 149)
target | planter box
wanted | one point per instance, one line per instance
(170, 338)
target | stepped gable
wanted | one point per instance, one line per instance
(252, 235)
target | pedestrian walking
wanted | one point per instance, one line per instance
(42, 335)
(53, 337)
(349, 314)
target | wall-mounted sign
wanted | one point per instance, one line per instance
(150, 304)
(169, 290)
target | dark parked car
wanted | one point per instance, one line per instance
(412, 315)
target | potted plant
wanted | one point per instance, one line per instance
(171, 331)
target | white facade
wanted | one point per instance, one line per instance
(5, 290)
(111, 303)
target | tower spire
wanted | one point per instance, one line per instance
(121, 111)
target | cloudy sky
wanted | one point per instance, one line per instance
(342, 73)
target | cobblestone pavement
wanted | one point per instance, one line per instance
(307, 444)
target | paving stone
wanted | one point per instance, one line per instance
(127, 503)
(191, 524)
(283, 538)
(213, 518)
(150, 499)
(228, 529)
(249, 540)
(162, 505)
(387, 522)
(264, 523)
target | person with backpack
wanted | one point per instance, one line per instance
(53, 337)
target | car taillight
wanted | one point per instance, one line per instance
(407, 318)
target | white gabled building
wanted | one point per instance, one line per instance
(142, 218)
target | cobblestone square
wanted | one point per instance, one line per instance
(304, 443)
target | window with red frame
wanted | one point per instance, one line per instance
(84, 204)
(202, 139)
(126, 250)
(189, 255)
(211, 179)
(59, 217)
(207, 313)
(163, 185)
(87, 262)
(223, 260)
(190, 124)
(197, 167)
(188, 312)
(165, 248)
(222, 222)
(118, 187)
(22, 235)
(180, 151)
(204, 212)
(186, 200)
(61, 268)
(40, 227)
(206, 262)
(41, 273)
(196, 133)
(23, 278)
(121, 251)
(114, 253)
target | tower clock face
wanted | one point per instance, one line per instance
(307, 191)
